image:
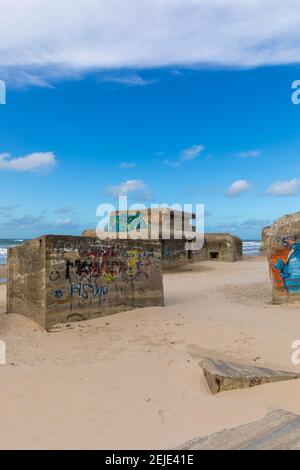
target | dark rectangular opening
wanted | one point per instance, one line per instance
(214, 255)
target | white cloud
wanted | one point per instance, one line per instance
(32, 162)
(250, 154)
(127, 165)
(238, 187)
(284, 188)
(25, 79)
(66, 221)
(73, 37)
(190, 153)
(129, 186)
(129, 78)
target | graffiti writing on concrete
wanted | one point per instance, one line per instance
(287, 267)
(126, 222)
(92, 270)
(58, 293)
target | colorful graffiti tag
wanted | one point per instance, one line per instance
(93, 269)
(288, 268)
(127, 222)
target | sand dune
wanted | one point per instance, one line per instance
(132, 380)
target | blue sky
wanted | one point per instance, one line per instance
(226, 135)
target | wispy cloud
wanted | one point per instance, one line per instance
(7, 211)
(39, 224)
(248, 224)
(25, 79)
(137, 187)
(127, 165)
(28, 221)
(238, 187)
(107, 34)
(129, 79)
(66, 221)
(190, 153)
(63, 210)
(250, 154)
(177, 72)
(284, 188)
(33, 162)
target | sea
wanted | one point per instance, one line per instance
(250, 247)
(7, 243)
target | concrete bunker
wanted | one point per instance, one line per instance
(155, 224)
(283, 251)
(220, 247)
(59, 279)
(264, 239)
(171, 228)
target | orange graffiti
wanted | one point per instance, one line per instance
(281, 253)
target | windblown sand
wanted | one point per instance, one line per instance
(132, 380)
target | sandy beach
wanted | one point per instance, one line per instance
(132, 380)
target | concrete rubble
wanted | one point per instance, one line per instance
(278, 430)
(223, 375)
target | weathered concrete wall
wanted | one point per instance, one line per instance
(283, 250)
(81, 278)
(26, 281)
(152, 223)
(219, 247)
(278, 430)
(174, 254)
(264, 239)
(140, 224)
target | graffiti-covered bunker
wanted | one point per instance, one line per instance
(283, 250)
(173, 228)
(180, 228)
(58, 279)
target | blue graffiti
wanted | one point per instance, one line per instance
(290, 271)
(87, 290)
(58, 293)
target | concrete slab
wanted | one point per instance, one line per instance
(224, 375)
(278, 430)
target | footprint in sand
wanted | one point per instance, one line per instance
(165, 416)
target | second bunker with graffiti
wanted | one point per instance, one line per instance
(282, 240)
(59, 279)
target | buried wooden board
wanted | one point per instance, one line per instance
(278, 430)
(223, 375)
